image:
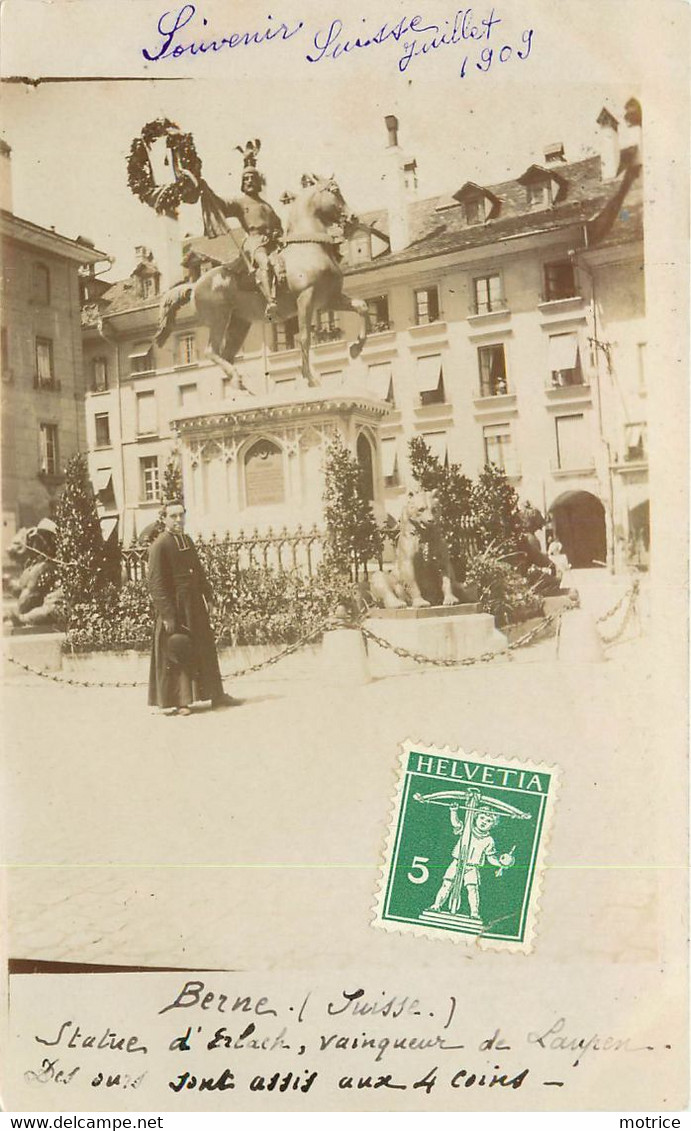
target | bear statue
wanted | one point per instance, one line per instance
(423, 574)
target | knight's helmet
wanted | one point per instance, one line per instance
(250, 152)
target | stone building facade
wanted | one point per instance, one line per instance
(42, 375)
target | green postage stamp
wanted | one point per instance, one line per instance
(466, 847)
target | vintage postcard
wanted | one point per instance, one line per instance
(344, 480)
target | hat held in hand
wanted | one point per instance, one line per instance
(179, 648)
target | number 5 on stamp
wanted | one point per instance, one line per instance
(466, 847)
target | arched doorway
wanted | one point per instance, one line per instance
(366, 461)
(578, 520)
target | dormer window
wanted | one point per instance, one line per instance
(539, 194)
(149, 286)
(474, 210)
(478, 204)
(360, 248)
(543, 187)
(146, 276)
(364, 243)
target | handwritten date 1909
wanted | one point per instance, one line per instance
(490, 55)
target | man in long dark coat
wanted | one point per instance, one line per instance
(184, 664)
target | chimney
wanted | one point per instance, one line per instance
(554, 153)
(609, 144)
(392, 126)
(5, 176)
(400, 180)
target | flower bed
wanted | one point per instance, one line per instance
(254, 606)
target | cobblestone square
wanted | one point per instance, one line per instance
(252, 836)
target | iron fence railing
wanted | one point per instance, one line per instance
(301, 549)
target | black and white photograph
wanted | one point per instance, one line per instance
(344, 422)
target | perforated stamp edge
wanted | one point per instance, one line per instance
(524, 946)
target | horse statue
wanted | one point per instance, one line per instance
(228, 300)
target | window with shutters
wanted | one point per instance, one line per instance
(426, 306)
(438, 444)
(430, 379)
(326, 327)
(499, 447)
(40, 285)
(488, 294)
(147, 419)
(285, 335)
(389, 462)
(559, 281)
(102, 426)
(380, 381)
(573, 443)
(492, 365)
(99, 374)
(149, 479)
(635, 442)
(378, 314)
(142, 358)
(44, 363)
(565, 361)
(186, 349)
(48, 449)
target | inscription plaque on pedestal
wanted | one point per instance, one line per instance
(264, 482)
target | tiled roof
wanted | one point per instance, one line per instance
(438, 224)
(125, 294)
(80, 250)
(627, 227)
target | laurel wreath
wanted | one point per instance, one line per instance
(187, 186)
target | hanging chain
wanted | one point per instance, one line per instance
(629, 614)
(484, 658)
(287, 651)
(403, 653)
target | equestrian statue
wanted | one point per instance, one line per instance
(276, 274)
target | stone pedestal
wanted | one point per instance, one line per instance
(42, 650)
(456, 632)
(579, 641)
(258, 462)
(344, 660)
